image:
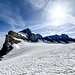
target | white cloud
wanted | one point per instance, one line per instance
(1, 41)
(48, 24)
(46, 33)
(2, 38)
(12, 17)
(38, 26)
(37, 4)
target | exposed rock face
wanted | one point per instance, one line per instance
(39, 37)
(31, 36)
(7, 46)
(63, 38)
(27, 31)
(14, 34)
(9, 41)
(12, 37)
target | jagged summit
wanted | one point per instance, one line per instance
(28, 31)
(31, 36)
(59, 38)
(27, 35)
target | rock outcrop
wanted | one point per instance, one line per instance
(9, 41)
(62, 38)
(31, 36)
(12, 37)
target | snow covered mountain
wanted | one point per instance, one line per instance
(26, 57)
(26, 35)
(39, 59)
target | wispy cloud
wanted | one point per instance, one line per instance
(2, 38)
(37, 4)
(14, 18)
(46, 33)
(3, 33)
(48, 24)
(11, 16)
(59, 22)
(38, 26)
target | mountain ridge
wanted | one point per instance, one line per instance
(27, 35)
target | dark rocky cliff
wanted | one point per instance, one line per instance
(12, 37)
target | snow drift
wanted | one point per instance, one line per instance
(26, 35)
(26, 53)
(39, 59)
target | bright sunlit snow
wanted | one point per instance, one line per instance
(45, 17)
(39, 59)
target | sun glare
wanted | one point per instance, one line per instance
(58, 12)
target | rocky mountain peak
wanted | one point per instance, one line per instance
(28, 31)
(26, 35)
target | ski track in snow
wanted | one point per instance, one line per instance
(40, 59)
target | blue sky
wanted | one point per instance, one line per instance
(41, 16)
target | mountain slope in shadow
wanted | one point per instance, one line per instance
(27, 35)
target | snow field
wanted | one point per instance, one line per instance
(39, 59)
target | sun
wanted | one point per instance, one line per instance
(58, 12)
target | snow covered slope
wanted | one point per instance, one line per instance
(13, 38)
(39, 59)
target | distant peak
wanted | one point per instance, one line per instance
(27, 35)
